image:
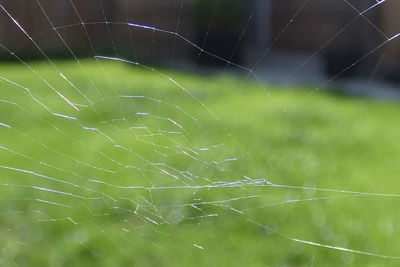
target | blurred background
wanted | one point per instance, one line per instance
(197, 133)
(309, 40)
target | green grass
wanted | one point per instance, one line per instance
(300, 141)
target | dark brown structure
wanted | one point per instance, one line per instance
(336, 30)
(342, 31)
(89, 27)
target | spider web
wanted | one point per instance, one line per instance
(116, 156)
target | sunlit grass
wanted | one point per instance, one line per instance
(305, 139)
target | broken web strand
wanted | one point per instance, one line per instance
(177, 29)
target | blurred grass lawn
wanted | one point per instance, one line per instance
(299, 137)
